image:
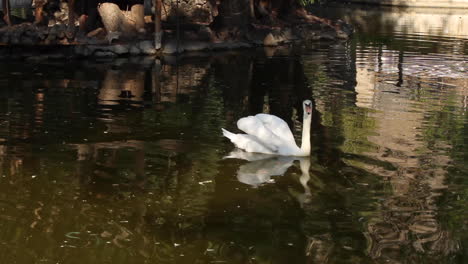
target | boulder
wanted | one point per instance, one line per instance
(104, 53)
(190, 11)
(196, 45)
(170, 47)
(134, 50)
(278, 37)
(147, 47)
(82, 50)
(119, 49)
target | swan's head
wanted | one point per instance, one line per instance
(307, 105)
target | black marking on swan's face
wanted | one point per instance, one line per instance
(307, 107)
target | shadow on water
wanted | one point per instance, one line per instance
(121, 160)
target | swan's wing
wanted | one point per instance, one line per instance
(278, 126)
(248, 143)
(254, 126)
(249, 156)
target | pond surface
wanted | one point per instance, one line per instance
(121, 161)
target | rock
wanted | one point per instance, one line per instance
(96, 33)
(64, 41)
(328, 35)
(271, 40)
(50, 40)
(231, 45)
(119, 62)
(278, 37)
(42, 33)
(113, 35)
(31, 36)
(25, 40)
(196, 45)
(53, 30)
(288, 35)
(205, 33)
(71, 32)
(134, 50)
(62, 31)
(147, 47)
(62, 34)
(341, 34)
(345, 27)
(82, 50)
(222, 45)
(308, 31)
(119, 49)
(195, 11)
(94, 48)
(15, 38)
(257, 36)
(95, 41)
(170, 47)
(137, 14)
(104, 53)
(80, 37)
(149, 51)
(4, 35)
(116, 20)
(61, 15)
(52, 35)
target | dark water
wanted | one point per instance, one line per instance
(121, 161)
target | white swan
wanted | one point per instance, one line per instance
(269, 134)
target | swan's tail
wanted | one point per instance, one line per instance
(228, 134)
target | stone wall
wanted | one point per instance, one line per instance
(189, 11)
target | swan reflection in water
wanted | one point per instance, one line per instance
(261, 167)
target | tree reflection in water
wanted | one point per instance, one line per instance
(122, 161)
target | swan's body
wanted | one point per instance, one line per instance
(270, 134)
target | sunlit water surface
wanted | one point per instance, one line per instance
(121, 161)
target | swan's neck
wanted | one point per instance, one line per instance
(305, 145)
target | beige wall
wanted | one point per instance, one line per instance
(438, 22)
(418, 3)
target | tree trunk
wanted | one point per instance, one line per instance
(38, 18)
(6, 11)
(157, 25)
(252, 9)
(71, 13)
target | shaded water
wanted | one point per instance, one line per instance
(121, 161)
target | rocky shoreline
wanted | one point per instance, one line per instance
(29, 41)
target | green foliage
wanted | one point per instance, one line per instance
(358, 125)
(306, 2)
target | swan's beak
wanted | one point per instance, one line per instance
(308, 108)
